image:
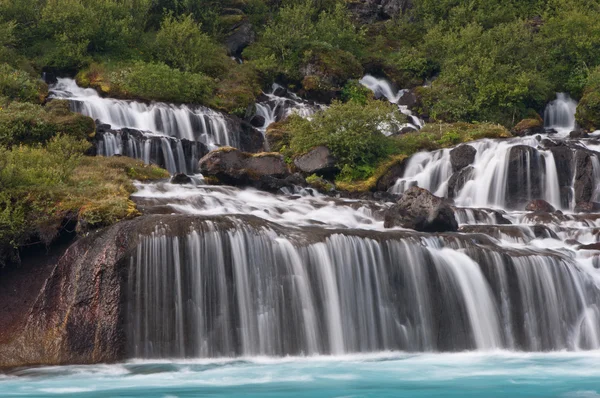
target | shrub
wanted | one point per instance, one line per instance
(150, 82)
(25, 123)
(350, 130)
(588, 109)
(17, 85)
(182, 45)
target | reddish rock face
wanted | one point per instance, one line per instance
(71, 311)
(540, 205)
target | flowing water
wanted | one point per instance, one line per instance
(301, 294)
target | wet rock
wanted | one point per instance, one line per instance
(584, 176)
(587, 207)
(528, 127)
(458, 181)
(551, 131)
(577, 134)
(102, 127)
(540, 205)
(251, 140)
(420, 210)
(462, 156)
(408, 98)
(234, 167)
(257, 121)
(592, 246)
(525, 176)
(181, 179)
(240, 37)
(318, 160)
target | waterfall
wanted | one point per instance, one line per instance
(384, 89)
(280, 103)
(560, 114)
(505, 174)
(175, 155)
(232, 289)
(194, 123)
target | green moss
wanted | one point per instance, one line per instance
(17, 85)
(527, 124)
(319, 183)
(588, 109)
(278, 136)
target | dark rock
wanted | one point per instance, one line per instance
(318, 160)
(181, 179)
(103, 128)
(405, 130)
(587, 207)
(462, 156)
(369, 11)
(548, 143)
(250, 139)
(540, 205)
(584, 176)
(458, 181)
(240, 37)
(420, 210)
(592, 246)
(551, 131)
(280, 92)
(234, 167)
(525, 176)
(257, 121)
(408, 98)
(576, 134)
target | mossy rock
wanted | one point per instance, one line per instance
(528, 127)
(278, 136)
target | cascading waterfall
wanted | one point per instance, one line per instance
(504, 174)
(178, 121)
(175, 155)
(275, 107)
(560, 114)
(229, 289)
(384, 89)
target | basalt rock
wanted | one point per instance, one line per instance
(540, 205)
(240, 37)
(420, 210)
(462, 156)
(234, 167)
(389, 178)
(525, 176)
(181, 179)
(318, 160)
(251, 140)
(587, 207)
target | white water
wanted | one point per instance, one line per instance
(194, 123)
(560, 114)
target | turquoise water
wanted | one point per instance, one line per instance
(382, 375)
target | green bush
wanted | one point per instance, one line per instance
(159, 82)
(350, 130)
(588, 109)
(182, 45)
(25, 123)
(17, 85)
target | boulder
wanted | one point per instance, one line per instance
(181, 179)
(408, 98)
(420, 210)
(528, 127)
(462, 156)
(318, 160)
(251, 140)
(240, 37)
(234, 167)
(577, 134)
(389, 178)
(258, 121)
(540, 205)
(587, 207)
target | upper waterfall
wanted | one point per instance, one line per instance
(560, 113)
(383, 88)
(194, 123)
